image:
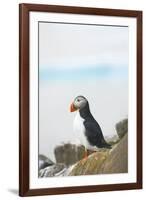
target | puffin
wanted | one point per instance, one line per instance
(86, 128)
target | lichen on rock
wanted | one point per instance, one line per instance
(104, 162)
(91, 165)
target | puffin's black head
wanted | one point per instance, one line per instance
(78, 103)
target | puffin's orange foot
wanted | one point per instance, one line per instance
(85, 157)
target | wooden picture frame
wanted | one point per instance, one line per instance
(24, 96)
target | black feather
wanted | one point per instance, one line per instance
(93, 131)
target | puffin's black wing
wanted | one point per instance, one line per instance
(94, 134)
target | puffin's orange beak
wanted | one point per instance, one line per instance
(72, 108)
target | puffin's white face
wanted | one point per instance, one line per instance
(78, 103)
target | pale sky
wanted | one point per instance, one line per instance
(80, 60)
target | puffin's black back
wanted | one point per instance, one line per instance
(93, 131)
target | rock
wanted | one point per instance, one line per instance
(117, 161)
(69, 153)
(122, 128)
(54, 170)
(89, 166)
(44, 162)
(104, 161)
(112, 139)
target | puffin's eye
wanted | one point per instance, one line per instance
(78, 100)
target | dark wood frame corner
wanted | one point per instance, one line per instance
(24, 9)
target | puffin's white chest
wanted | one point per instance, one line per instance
(78, 123)
(79, 129)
